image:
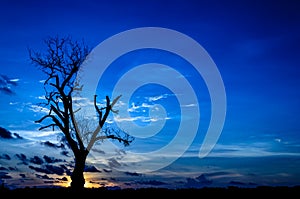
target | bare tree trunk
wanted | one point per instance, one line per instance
(77, 176)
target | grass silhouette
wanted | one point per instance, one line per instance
(280, 191)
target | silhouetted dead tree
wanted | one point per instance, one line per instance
(60, 63)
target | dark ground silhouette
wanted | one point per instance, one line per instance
(284, 191)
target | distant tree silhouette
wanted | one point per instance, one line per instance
(60, 63)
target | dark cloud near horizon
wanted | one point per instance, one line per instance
(132, 173)
(113, 187)
(91, 168)
(48, 169)
(98, 151)
(12, 168)
(22, 175)
(52, 145)
(6, 134)
(23, 158)
(238, 183)
(107, 170)
(65, 153)
(5, 85)
(55, 169)
(200, 181)
(66, 168)
(36, 160)
(7, 169)
(194, 183)
(44, 177)
(219, 173)
(205, 179)
(121, 152)
(5, 157)
(151, 182)
(39, 169)
(5, 175)
(3, 169)
(112, 162)
(51, 159)
(17, 136)
(63, 178)
(51, 182)
(45, 164)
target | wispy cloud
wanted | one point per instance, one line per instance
(6, 83)
(188, 105)
(257, 149)
(158, 97)
(38, 109)
(142, 119)
(136, 108)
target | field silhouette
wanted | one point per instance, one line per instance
(282, 191)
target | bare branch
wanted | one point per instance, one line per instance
(99, 111)
(75, 124)
(126, 140)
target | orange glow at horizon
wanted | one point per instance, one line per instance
(64, 183)
(90, 182)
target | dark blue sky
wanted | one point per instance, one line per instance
(254, 44)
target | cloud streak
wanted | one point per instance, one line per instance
(6, 83)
